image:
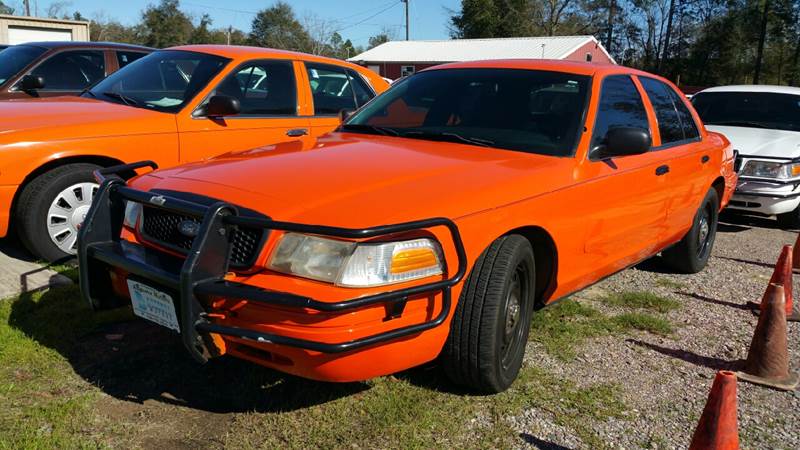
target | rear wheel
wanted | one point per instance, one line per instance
(691, 254)
(51, 209)
(489, 330)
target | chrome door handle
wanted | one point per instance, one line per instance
(297, 132)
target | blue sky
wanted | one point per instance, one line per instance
(358, 19)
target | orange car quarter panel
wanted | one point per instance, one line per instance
(586, 211)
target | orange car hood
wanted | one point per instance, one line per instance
(360, 180)
(60, 118)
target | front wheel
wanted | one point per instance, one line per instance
(51, 209)
(691, 254)
(489, 330)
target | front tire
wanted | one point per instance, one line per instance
(51, 209)
(691, 254)
(490, 327)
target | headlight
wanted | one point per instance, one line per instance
(356, 265)
(133, 211)
(766, 169)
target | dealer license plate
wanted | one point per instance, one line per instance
(151, 304)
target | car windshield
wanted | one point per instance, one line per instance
(525, 110)
(14, 59)
(768, 110)
(162, 81)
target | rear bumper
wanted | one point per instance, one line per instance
(201, 277)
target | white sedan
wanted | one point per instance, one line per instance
(763, 125)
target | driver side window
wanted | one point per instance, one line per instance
(263, 88)
(620, 106)
(72, 70)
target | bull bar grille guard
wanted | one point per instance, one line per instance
(202, 272)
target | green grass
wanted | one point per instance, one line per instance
(48, 405)
(669, 283)
(641, 300)
(566, 325)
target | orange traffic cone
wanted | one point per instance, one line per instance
(768, 358)
(718, 428)
(796, 255)
(783, 275)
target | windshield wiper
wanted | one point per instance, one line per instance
(371, 128)
(123, 98)
(449, 137)
(740, 123)
(87, 91)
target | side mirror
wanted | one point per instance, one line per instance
(345, 114)
(221, 105)
(31, 83)
(623, 141)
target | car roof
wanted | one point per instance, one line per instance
(754, 88)
(52, 45)
(245, 52)
(557, 65)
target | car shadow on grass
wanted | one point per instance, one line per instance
(135, 361)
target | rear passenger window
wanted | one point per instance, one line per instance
(125, 58)
(331, 89)
(675, 122)
(362, 90)
(620, 106)
(669, 124)
(263, 88)
(690, 130)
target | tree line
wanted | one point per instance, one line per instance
(694, 42)
(165, 25)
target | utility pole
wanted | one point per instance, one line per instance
(230, 30)
(406, 3)
(610, 32)
(27, 4)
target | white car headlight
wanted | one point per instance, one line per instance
(767, 169)
(133, 211)
(354, 264)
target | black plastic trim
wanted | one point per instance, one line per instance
(203, 272)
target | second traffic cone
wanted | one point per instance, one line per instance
(768, 358)
(718, 428)
(782, 274)
(796, 255)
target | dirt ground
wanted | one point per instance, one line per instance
(638, 381)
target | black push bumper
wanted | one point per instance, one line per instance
(201, 274)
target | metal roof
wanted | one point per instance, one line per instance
(453, 50)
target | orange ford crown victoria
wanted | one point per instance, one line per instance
(176, 105)
(432, 223)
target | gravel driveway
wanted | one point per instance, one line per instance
(664, 381)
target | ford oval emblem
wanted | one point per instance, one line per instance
(189, 228)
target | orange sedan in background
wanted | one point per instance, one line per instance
(431, 224)
(172, 106)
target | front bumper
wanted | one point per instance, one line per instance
(765, 197)
(201, 276)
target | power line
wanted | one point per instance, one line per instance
(372, 16)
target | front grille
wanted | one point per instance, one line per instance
(161, 227)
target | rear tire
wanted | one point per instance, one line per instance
(490, 327)
(691, 254)
(51, 208)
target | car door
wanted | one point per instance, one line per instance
(689, 166)
(68, 72)
(624, 205)
(333, 89)
(268, 94)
